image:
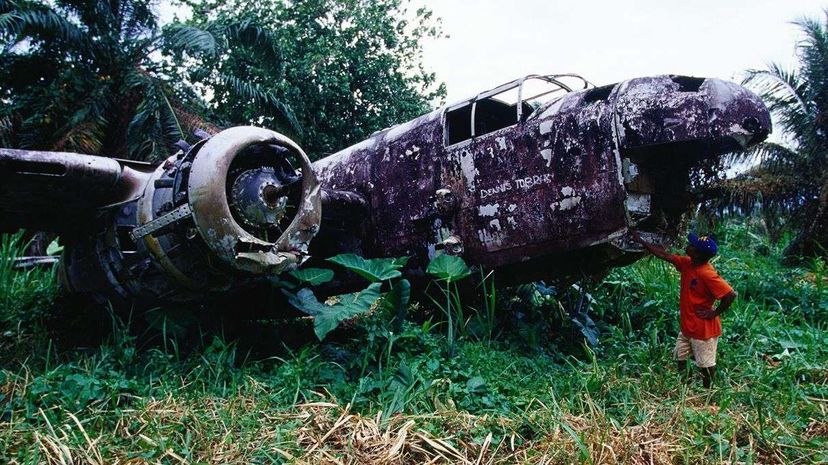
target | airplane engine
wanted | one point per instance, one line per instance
(236, 207)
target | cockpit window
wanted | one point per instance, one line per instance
(537, 91)
(496, 111)
(458, 124)
(503, 106)
(487, 113)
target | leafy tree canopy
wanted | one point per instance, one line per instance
(103, 77)
(330, 71)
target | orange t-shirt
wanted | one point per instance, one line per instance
(701, 286)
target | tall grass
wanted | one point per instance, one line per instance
(24, 294)
(399, 399)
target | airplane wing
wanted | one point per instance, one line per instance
(64, 192)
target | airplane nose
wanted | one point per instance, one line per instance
(735, 112)
(668, 109)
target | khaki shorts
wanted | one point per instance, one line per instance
(703, 351)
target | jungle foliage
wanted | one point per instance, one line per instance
(340, 69)
(87, 77)
(520, 388)
(789, 181)
(488, 376)
(106, 78)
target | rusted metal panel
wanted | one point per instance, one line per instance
(537, 188)
(404, 177)
(207, 196)
(559, 188)
(667, 109)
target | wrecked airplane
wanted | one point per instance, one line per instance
(540, 178)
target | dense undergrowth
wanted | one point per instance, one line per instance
(518, 389)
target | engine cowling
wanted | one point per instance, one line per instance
(242, 205)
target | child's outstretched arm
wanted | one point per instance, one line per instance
(654, 249)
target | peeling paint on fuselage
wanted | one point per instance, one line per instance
(504, 181)
(489, 209)
(554, 181)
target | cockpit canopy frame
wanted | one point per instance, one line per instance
(489, 110)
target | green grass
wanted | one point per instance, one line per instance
(381, 397)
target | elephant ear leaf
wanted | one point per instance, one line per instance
(313, 276)
(448, 268)
(349, 306)
(374, 269)
(305, 301)
(395, 302)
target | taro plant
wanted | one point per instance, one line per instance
(378, 271)
(449, 269)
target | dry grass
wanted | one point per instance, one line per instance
(217, 430)
(490, 404)
(246, 426)
(333, 435)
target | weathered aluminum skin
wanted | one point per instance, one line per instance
(142, 234)
(549, 196)
(209, 202)
(63, 191)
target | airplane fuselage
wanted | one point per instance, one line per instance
(546, 193)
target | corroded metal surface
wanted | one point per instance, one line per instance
(211, 208)
(167, 232)
(551, 194)
(59, 191)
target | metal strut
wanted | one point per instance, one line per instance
(162, 221)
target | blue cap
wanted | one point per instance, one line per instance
(704, 244)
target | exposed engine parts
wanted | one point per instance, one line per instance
(228, 209)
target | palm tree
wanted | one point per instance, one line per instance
(790, 179)
(83, 76)
(241, 64)
(95, 76)
(342, 68)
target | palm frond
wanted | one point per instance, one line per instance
(6, 128)
(86, 137)
(136, 18)
(247, 33)
(264, 99)
(757, 189)
(155, 127)
(786, 95)
(190, 38)
(191, 121)
(771, 155)
(43, 25)
(143, 125)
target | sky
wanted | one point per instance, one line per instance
(490, 43)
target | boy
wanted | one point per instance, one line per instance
(700, 287)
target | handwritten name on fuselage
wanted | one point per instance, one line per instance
(521, 183)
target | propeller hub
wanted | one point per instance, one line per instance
(259, 198)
